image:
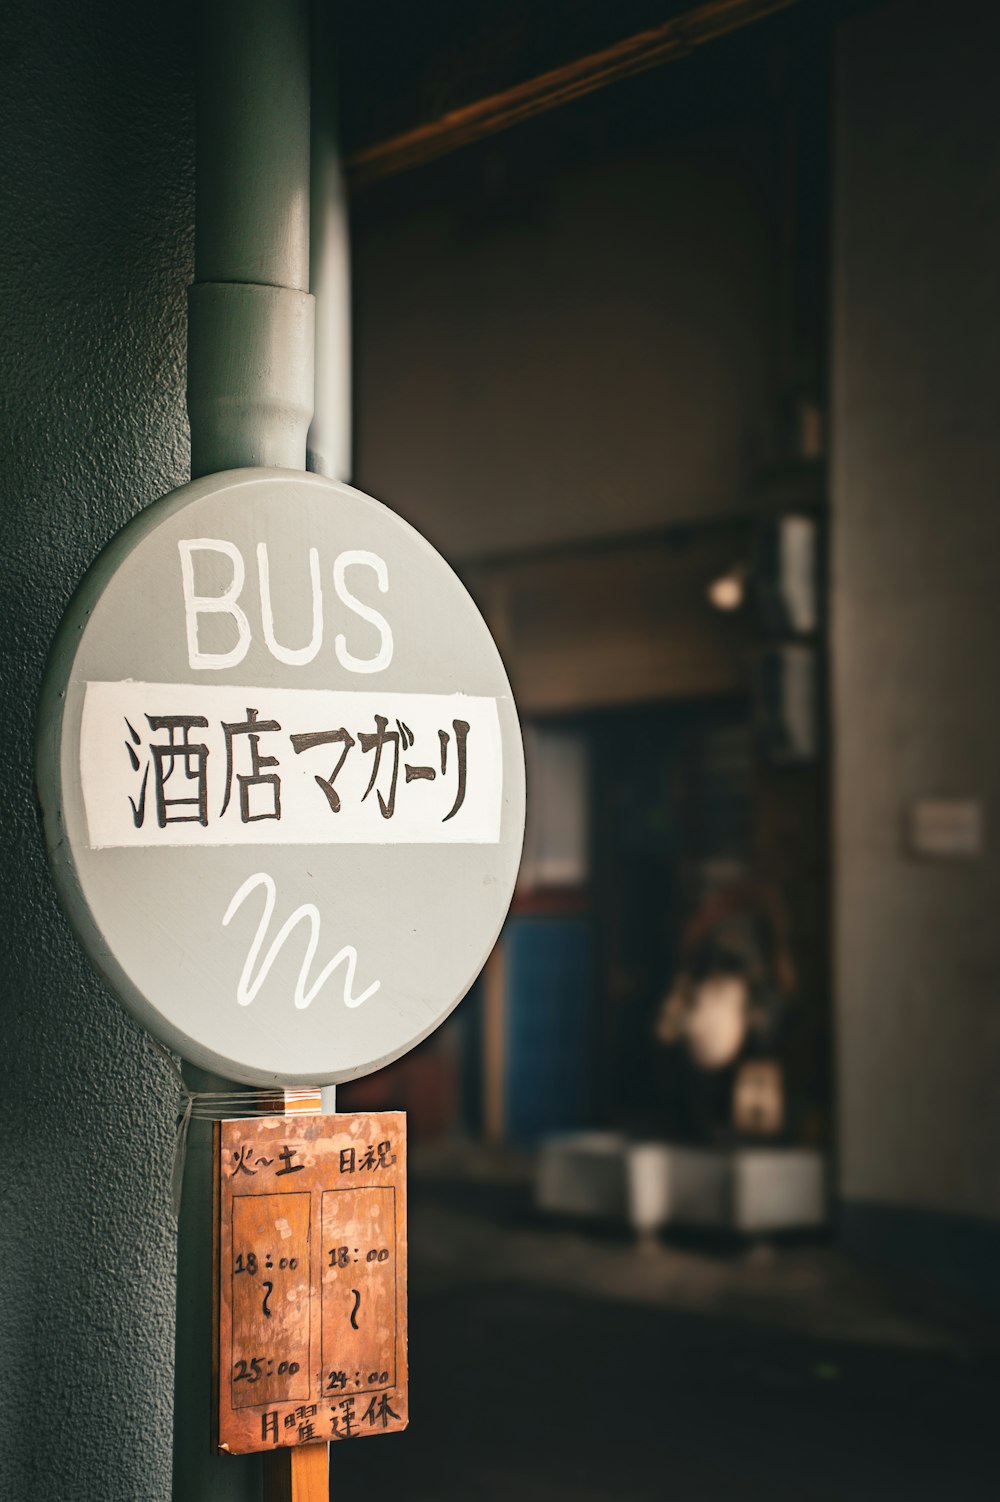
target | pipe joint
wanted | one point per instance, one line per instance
(250, 375)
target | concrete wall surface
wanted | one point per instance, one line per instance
(916, 604)
(96, 207)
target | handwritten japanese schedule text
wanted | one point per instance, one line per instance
(311, 1279)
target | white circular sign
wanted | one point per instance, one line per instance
(281, 776)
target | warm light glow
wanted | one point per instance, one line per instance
(728, 590)
(717, 1020)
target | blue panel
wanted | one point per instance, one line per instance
(547, 974)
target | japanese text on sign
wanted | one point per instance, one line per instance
(181, 764)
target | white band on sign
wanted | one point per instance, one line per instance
(166, 764)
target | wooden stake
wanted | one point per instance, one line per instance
(297, 1475)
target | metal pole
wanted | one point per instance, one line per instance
(250, 314)
(329, 444)
(250, 399)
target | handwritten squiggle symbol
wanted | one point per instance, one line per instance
(357, 1306)
(248, 986)
(270, 1290)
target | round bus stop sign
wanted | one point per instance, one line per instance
(281, 777)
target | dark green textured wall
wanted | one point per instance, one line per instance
(96, 211)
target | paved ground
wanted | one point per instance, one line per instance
(550, 1365)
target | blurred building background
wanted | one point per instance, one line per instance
(694, 379)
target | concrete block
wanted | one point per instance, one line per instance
(655, 1184)
(583, 1174)
(750, 1189)
(778, 1189)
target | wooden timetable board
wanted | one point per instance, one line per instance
(310, 1279)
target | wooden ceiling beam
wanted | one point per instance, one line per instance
(486, 117)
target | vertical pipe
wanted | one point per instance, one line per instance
(329, 443)
(250, 379)
(252, 188)
(250, 314)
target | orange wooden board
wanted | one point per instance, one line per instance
(310, 1278)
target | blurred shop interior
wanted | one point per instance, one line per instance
(602, 380)
(684, 376)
